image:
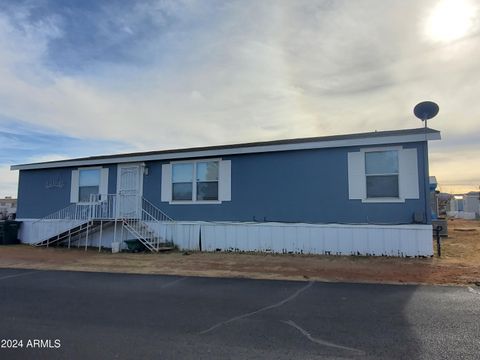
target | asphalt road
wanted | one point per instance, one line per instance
(121, 316)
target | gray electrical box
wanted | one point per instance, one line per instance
(443, 223)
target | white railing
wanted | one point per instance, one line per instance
(151, 212)
(102, 207)
(60, 221)
(150, 227)
(143, 219)
(142, 232)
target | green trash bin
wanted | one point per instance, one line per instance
(9, 232)
(135, 245)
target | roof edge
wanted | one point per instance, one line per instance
(359, 139)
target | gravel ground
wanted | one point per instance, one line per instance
(460, 263)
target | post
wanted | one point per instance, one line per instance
(115, 230)
(86, 236)
(121, 233)
(101, 234)
(115, 245)
(200, 238)
(439, 246)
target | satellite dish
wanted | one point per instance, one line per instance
(426, 110)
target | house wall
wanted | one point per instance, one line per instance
(297, 186)
(42, 192)
(293, 186)
(472, 203)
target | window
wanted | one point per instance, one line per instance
(384, 175)
(88, 184)
(207, 180)
(202, 181)
(88, 181)
(381, 170)
(195, 181)
(182, 181)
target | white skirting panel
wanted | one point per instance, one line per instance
(27, 235)
(329, 239)
(462, 215)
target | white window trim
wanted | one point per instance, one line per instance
(398, 199)
(99, 184)
(194, 183)
(383, 200)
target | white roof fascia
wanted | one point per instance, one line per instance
(235, 151)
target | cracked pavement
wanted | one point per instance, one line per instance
(126, 316)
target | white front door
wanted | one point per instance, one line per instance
(129, 190)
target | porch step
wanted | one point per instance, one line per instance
(147, 224)
(147, 237)
(166, 248)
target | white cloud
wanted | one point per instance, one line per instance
(9, 178)
(251, 71)
(45, 157)
(8, 182)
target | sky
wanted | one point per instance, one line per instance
(91, 77)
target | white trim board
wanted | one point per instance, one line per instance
(236, 151)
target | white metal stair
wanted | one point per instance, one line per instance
(149, 226)
(144, 221)
(148, 238)
(76, 234)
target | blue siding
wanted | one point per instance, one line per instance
(35, 200)
(294, 186)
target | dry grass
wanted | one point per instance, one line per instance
(463, 243)
(460, 263)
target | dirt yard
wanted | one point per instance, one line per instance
(460, 263)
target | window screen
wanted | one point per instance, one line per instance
(196, 181)
(207, 180)
(88, 184)
(381, 170)
(182, 181)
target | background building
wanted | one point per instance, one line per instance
(8, 207)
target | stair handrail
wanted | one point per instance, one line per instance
(153, 211)
(132, 226)
(150, 226)
(46, 227)
(164, 223)
(103, 206)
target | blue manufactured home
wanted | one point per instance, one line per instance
(362, 193)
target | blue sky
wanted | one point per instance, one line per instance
(22, 141)
(93, 77)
